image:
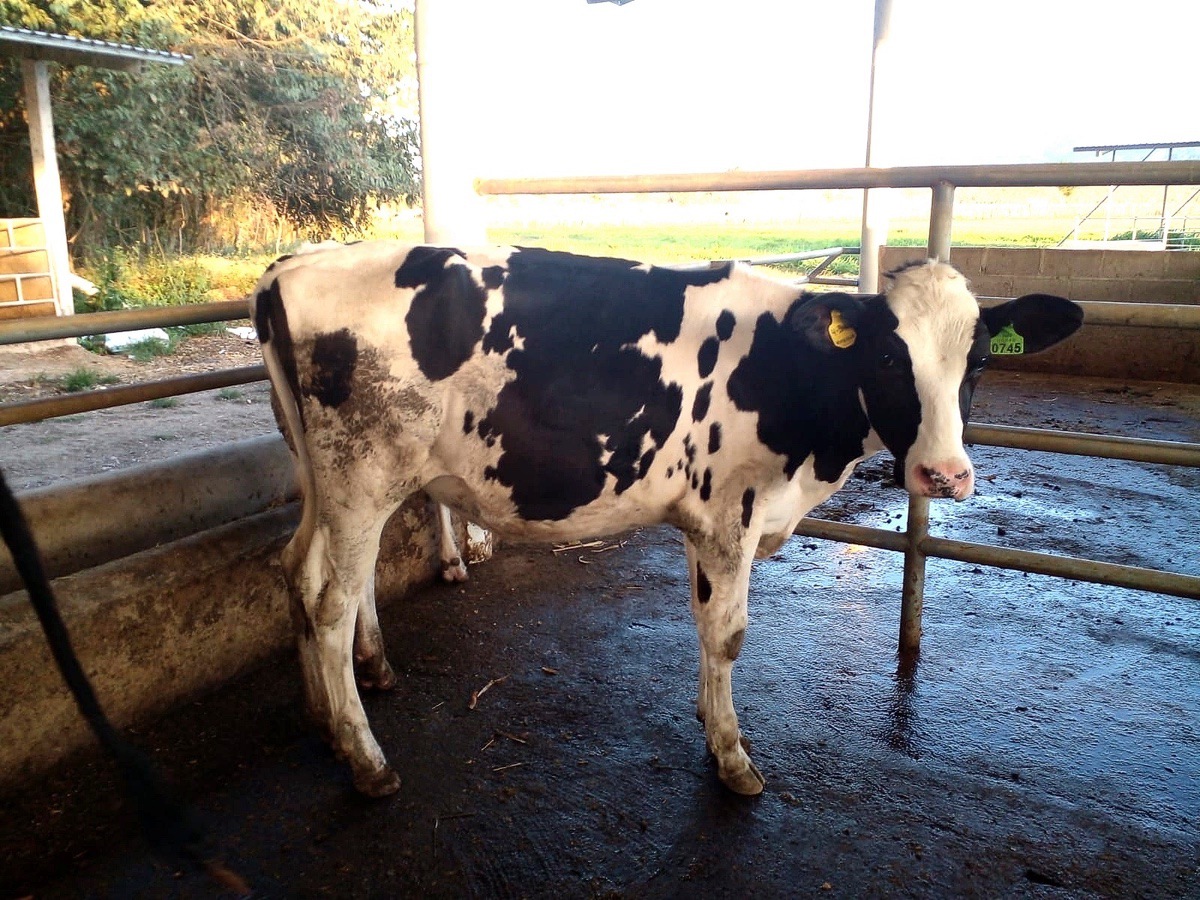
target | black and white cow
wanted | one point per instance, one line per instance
(552, 396)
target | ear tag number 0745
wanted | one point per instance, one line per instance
(1007, 342)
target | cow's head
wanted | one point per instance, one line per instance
(918, 351)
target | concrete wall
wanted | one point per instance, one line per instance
(167, 624)
(1128, 276)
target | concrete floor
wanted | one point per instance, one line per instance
(1046, 743)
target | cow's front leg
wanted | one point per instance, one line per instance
(720, 578)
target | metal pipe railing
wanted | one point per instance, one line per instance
(1179, 172)
(25, 411)
(1134, 577)
(22, 331)
(916, 544)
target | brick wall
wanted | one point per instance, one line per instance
(1129, 276)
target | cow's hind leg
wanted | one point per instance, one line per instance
(370, 658)
(453, 567)
(720, 580)
(329, 575)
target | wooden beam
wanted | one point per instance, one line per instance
(36, 76)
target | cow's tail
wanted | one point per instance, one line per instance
(166, 822)
(270, 323)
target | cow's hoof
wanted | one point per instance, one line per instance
(454, 571)
(378, 782)
(746, 780)
(376, 676)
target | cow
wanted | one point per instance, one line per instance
(554, 397)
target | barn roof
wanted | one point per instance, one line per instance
(70, 50)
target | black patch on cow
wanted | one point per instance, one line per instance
(695, 481)
(714, 437)
(733, 644)
(703, 399)
(706, 358)
(703, 585)
(579, 375)
(646, 462)
(706, 486)
(670, 471)
(445, 319)
(334, 357)
(493, 277)
(276, 262)
(725, 322)
(468, 422)
(747, 507)
(807, 400)
(424, 265)
(889, 388)
(270, 321)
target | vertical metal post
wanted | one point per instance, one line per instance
(453, 212)
(912, 599)
(874, 213)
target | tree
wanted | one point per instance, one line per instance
(290, 109)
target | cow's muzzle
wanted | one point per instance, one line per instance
(954, 480)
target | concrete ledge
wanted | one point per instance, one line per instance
(90, 521)
(167, 624)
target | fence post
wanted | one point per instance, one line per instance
(912, 599)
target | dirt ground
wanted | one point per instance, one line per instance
(1046, 743)
(43, 453)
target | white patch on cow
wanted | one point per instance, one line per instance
(937, 314)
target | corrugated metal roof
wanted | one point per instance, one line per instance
(79, 51)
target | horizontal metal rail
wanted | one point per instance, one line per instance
(1171, 453)
(1182, 172)
(1134, 577)
(24, 411)
(21, 331)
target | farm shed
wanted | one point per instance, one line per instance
(35, 261)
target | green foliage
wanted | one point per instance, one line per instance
(289, 116)
(84, 379)
(148, 349)
(229, 394)
(163, 403)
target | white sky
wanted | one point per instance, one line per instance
(567, 87)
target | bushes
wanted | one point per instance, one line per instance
(126, 280)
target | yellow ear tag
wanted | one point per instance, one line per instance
(840, 333)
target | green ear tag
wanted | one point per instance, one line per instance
(1008, 342)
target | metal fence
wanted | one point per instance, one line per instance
(916, 543)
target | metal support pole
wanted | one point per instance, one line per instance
(874, 210)
(912, 600)
(453, 212)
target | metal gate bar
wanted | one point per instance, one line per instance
(1135, 577)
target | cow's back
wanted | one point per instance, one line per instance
(555, 394)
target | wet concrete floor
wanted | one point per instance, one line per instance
(1046, 742)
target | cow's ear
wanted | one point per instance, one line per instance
(1031, 323)
(827, 322)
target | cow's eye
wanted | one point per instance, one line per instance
(977, 367)
(887, 361)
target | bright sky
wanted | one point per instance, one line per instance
(709, 85)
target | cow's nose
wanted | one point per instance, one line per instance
(953, 479)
